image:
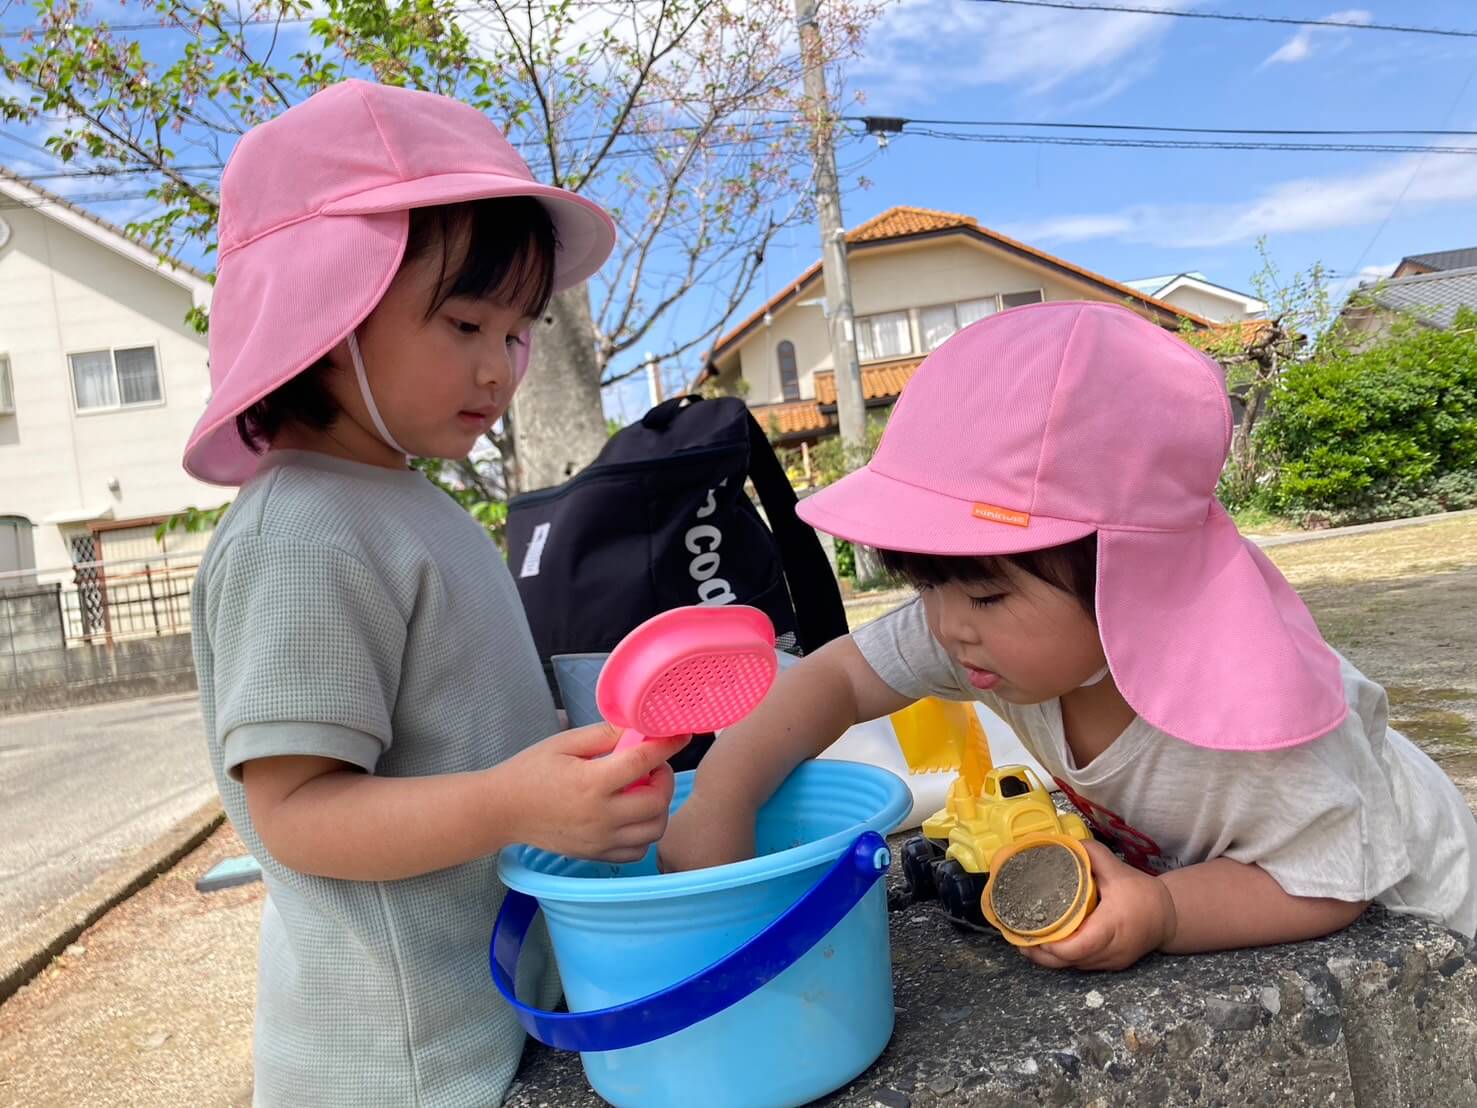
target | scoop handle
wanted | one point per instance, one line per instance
(630, 737)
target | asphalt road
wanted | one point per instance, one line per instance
(84, 788)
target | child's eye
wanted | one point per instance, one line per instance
(986, 601)
(517, 340)
(465, 327)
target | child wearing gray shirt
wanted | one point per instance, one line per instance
(372, 697)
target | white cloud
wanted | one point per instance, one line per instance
(919, 46)
(1300, 46)
(1303, 204)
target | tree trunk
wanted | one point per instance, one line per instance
(558, 421)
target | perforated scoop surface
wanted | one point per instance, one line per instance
(705, 693)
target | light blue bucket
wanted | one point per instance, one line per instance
(760, 984)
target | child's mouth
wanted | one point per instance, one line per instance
(982, 678)
(472, 419)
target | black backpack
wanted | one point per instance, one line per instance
(660, 519)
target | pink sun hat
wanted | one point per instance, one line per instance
(1050, 422)
(314, 217)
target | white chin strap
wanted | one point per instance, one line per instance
(374, 412)
(1095, 678)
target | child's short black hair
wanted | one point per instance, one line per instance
(1071, 567)
(509, 256)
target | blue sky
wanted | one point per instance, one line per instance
(1132, 213)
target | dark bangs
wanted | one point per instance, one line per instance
(1071, 567)
(509, 251)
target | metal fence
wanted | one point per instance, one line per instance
(112, 601)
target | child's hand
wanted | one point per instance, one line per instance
(701, 835)
(1135, 915)
(574, 801)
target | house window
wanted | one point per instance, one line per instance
(1016, 299)
(789, 375)
(972, 311)
(115, 378)
(7, 387)
(883, 336)
(17, 551)
(935, 324)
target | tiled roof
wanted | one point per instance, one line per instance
(907, 222)
(1431, 297)
(799, 417)
(878, 381)
(1445, 260)
(900, 222)
(795, 417)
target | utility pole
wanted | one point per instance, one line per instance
(851, 409)
(654, 379)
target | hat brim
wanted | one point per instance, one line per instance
(1208, 642)
(585, 233)
(875, 510)
(323, 276)
(280, 304)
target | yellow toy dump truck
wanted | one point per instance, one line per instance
(987, 810)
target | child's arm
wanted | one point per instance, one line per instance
(1215, 905)
(319, 816)
(811, 704)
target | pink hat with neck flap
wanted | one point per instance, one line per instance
(1048, 423)
(314, 218)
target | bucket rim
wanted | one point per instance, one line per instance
(897, 802)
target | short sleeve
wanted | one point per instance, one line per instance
(1321, 819)
(903, 652)
(307, 647)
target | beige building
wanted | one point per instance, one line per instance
(917, 276)
(101, 381)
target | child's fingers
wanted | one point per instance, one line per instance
(1084, 944)
(587, 742)
(1107, 867)
(628, 766)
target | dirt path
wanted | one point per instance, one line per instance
(1402, 606)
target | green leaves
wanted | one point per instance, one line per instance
(1354, 429)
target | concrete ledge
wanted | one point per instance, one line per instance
(46, 698)
(1382, 1014)
(25, 955)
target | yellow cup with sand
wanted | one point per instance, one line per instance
(1040, 889)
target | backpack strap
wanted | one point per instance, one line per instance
(816, 597)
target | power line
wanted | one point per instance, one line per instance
(1236, 17)
(892, 125)
(1185, 144)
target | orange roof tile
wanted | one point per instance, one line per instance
(796, 416)
(906, 221)
(878, 381)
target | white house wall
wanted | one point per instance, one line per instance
(62, 293)
(1210, 305)
(890, 279)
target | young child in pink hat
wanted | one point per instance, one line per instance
(1047, 481)
(372, 698)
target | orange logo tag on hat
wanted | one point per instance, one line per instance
(1002, 515)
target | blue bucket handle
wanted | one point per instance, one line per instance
(709, 990)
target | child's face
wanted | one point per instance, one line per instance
(439, 382)
(1024, 639)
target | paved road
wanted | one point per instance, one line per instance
(82, 789)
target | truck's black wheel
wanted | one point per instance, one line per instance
(919, 856)
(959, 892)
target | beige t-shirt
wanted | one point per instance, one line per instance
(1358, 814)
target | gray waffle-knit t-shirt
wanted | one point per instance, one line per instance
(354, 612)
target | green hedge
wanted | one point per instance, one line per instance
(1376, 433)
